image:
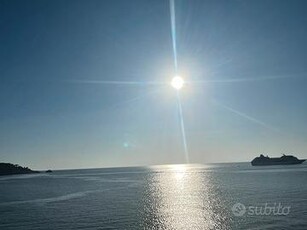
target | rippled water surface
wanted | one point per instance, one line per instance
(220, 196)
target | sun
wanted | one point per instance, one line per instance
(177, 82)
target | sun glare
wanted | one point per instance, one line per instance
(179, 171)
(177, 82)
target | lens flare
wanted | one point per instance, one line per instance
(184, 139)
(173, 31)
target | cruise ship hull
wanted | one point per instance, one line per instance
(284, 160)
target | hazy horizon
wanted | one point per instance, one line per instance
(85, 84)
(131, 166)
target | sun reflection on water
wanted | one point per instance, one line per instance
(178, 171)
(180, 197)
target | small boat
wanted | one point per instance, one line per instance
(284, 160)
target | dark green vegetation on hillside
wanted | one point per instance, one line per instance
(9, 169)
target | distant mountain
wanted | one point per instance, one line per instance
(10, 169)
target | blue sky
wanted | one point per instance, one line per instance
(245, 61)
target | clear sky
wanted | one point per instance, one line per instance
(246, 62)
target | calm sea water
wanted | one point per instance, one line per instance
(219, 196)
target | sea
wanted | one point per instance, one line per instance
(187, 196)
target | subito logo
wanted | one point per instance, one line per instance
(238, 209)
